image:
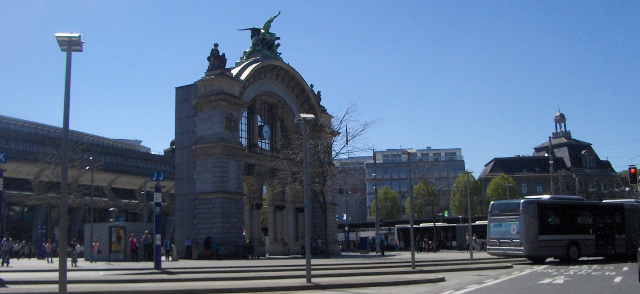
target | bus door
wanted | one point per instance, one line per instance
(604, 230)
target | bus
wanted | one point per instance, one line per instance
(443, 235)
(563, 227)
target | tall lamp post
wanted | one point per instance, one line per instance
(551, 165)
(375, 191)
(410, 151)
(302, 118)
(91, 167)
(68, 42)
(467, 172)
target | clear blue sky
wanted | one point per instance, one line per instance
(484, 76)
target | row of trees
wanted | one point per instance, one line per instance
(426, 196)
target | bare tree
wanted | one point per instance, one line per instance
(346, 135)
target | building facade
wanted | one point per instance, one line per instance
(561, 165)
(109, 175)
(438, 167)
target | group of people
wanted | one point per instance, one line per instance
(424, 245)
(474, 245)
(146, 242)
(15, 249)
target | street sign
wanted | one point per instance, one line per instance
(157, 176)
(3, 157)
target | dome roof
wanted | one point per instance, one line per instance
(560, 115)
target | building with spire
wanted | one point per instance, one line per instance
(561, 165)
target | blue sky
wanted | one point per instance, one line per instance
(484, 76)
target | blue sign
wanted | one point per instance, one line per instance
(3, 157)
(157, 176)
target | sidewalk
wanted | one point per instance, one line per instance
(243, 276)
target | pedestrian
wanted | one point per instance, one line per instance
(48, 250)
(95, 249)
(475, 241)
(6, 248)
(147, 246)
(167, 249)
(466, 245)
(133, 248)
(73, 246)
(187, 246)
(382, 246)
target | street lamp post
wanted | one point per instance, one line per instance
(551, 165)
(508, 186)
(467, 172)
(375, 192)
(91, 167)
(68, 42)
(410, 151)
(302, 118)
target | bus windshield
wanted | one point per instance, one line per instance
(505, 207)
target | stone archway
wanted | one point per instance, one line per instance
(231, 127)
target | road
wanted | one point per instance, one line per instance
(586, 276)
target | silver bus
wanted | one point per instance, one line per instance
(563, 227)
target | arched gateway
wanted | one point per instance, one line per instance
(235, 128)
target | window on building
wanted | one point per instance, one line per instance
(244, 129)
(523, 189)
(539, 188)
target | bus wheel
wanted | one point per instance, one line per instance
(573, 252)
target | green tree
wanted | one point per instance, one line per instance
(389, 206)
(458, 200)
(424, 195)
(498, 187)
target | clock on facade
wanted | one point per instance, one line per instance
(265, 132)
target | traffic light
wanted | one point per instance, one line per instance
(633, 175)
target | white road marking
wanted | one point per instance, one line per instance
(617, 280)
(499, 280)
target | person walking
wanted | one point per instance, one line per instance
(6, 250)
(167, 249)
(467, 245)
(133, 248)
(147, 246)
(188, 248)
(48, 250)
(95, 249)
(73, 247)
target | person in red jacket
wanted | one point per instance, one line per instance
(133, 248)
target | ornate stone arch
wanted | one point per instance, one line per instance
(220, 179)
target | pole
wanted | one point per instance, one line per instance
(2, 204)
(157, 217)
(375, 191)
(551, 165)
(307, 205)
(91, 207)
(411, 233)
(64, 182)
(469, 219)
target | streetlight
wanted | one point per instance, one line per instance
(91, 167)
(550, 153)
(410, 151)
(508, 186)
(68, 42)
(467, 172)
(375, 191)
(302, 118)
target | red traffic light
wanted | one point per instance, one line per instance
(633, 175)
